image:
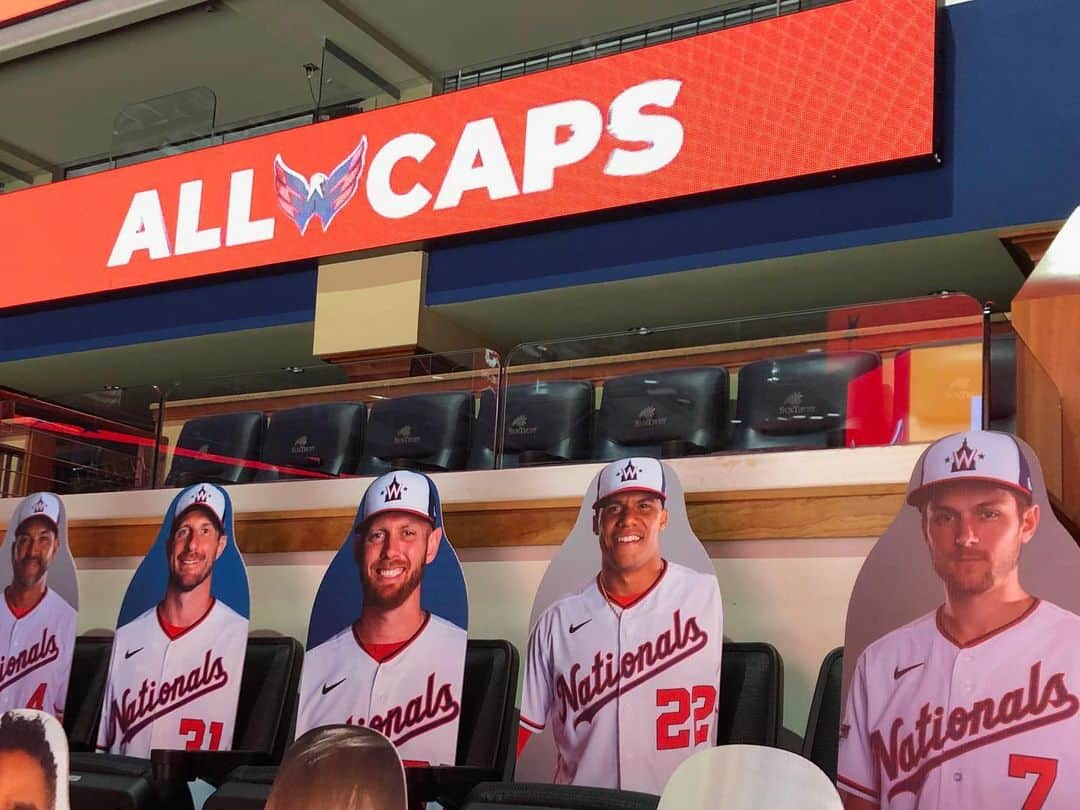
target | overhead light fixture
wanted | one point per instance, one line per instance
(293, 369)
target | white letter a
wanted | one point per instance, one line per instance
(143, 229)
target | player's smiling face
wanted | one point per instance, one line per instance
(975, 532)
(194, 547)
(33, 551)
(630, 524)
(391, 553)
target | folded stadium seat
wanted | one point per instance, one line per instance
(663, 414)
(546, 423)
(428, 432)
(1003, 383)
(265, 719)
(86, 689)
(536, 796)
(823, 726)
(234, 437)
(934, 389)
(486, 737)
(322, 441)
(751, 694)
(811, 400)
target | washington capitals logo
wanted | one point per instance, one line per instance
(963, 460)
(202, 496)
(322, 196)
(39, 506)
(628, 473)
(393, 491)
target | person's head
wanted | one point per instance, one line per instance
(396, 537)
(37, 539)
(27, 764)
(339, 767)
(629, 513)
(975, 500)
(197, 537)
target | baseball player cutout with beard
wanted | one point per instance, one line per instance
(397, 668)
(627, 669)
(974, 704)
(37, 625)
(174, 677)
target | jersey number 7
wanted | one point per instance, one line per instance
(672, 728)
(1045, 770)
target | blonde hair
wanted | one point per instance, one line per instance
(340, 768)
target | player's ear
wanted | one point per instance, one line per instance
(663, 516)
(596, 522)
(433, 545)
(1029, 523)
(221, 543)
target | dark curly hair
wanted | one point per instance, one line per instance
(19, 732)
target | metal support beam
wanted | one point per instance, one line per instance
(18, 174)
(355, 64)
(29, 157)
(406, 56)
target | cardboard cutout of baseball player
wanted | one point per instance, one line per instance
(33, 761)
(386, 642)
(624, 665)
(340, 767)
(174, 676)
(41, 602)
(974, 702)
(749, 777)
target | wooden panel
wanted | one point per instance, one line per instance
(806, 512)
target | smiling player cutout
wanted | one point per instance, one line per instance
(397, 668)
(626, 670)
(174, 676)
(974, 705)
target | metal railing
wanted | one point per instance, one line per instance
(629, 40)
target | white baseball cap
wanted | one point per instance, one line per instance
(399, 491)
(39, 504)
(208, 496)
(977, 455)
(631, 474)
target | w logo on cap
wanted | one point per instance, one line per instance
(628, 473)
(202, 496)
(394, 491)
(39, 506)
(963, 459)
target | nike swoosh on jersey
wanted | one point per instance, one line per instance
(575, 627)
(899, 673)
(327, 687)
(130, 653)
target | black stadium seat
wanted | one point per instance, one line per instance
(1003, 383)
(546, 422)
(803, 401)
(86, 690)
(322, 440)
(534, 796)
(236, 437)
(663, 414)
(823, 726)
(427, 432)
(751, 694)
(486, 738)
(265, 717)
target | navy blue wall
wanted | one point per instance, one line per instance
(1010, 131)
(270, 297)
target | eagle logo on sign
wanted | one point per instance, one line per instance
(323, 196)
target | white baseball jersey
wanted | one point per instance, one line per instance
(35, 655)
(174, 693)
(932, 725)
(630, 694)
(413, 697)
